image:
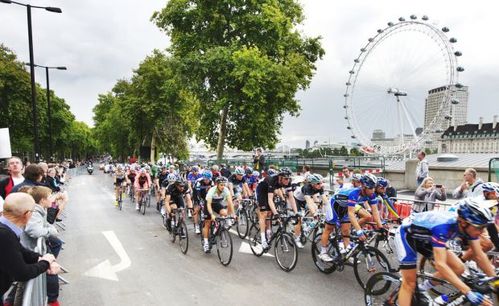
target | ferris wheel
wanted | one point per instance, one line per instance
(388, 87)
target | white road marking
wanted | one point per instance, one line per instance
(104, 270)
(246, 249)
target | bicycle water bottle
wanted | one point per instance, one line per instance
(441, 300)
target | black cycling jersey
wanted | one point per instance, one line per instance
(268, 185)
(162, 177)
(201, 188)
(234, 181)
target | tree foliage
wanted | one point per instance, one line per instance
(16, 114)
(245, 61)
(152, 108)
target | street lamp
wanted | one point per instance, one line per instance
(32, 68)
(49, 107)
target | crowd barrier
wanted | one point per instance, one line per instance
(403, 206)
(35, 290)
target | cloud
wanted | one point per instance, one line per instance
(102, 41)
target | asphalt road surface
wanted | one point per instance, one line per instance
(125, 258)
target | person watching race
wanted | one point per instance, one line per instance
(218, 200)
(342, 209)
(265, 191)
(427, 233)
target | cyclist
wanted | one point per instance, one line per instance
(304, 198)
(192, 177)
(142, 183)
(174, 197)
(160, 178)
(427, 233)
(386, 205)
(201, 187)
(341, 211)
(265, 191)
(130, 178)
(238, 186)
(119, 180)
(216, 198)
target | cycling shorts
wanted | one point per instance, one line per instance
(216, 207)
(407, 249)
(119, 181)
(177, 200)
(336, 214)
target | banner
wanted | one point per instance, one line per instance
(5, 143)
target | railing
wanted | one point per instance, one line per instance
(403, 206)
(35, 290)
(494, 167)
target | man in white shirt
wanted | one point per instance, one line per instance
(422, 170)
(470, 187)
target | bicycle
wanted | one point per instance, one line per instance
(120, 197)
(131, 192)
(360, 253)
(177, 227)
(143, 201)
(242, 223)
(219, 235)
(383, 288)
(284, 243)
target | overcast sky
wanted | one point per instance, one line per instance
(102, 41)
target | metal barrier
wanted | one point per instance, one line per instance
(403, 206)
(35, 290)
(494, 169)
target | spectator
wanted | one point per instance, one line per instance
(346, 178)
(51, 180)
(470, 187)
(33, 175)
(259, 160)
(16, 262)
(215, 171)
(422, 170)
(15, 177)
(306, 170)
(39, 227)
(426, 195)
(1, 205)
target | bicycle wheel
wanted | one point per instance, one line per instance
(386, 245)
(183, 237)
(173, 233)
(143, 205)
(255, 240)
(367, 262)
(120, 201)
(426, 267)
(224, 247)
(286, 252)
(253, 216)
(324, 267)
(242, 223)
(382, 289)
(148, 200)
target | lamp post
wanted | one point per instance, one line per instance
(49, 104)
(32, 68)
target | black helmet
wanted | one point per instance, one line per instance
(221, 180)
(285, 172)
(179, 181)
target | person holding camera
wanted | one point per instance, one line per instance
(259, 160)
(426, 195)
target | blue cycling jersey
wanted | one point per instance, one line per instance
(436, 227)
(191, 177)
(352, 196)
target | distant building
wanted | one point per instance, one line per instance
(379, 134)
(471, 138)
(453, 114)
(307, 144)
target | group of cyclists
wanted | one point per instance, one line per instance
(362, 200)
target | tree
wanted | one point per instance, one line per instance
(245, 61)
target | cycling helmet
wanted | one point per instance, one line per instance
(119, 167)
(368, 180)
(171, 177)
(473, 212)
(221, 180)
(195, 169)
(215, 168)
(313, 179)
(356, 177)
(179, 181)
(272, 172)
(490, 187)
(248, 171)
(256, 173)
(382, 182)
(239, 171)
(207, 175)
(285, 172)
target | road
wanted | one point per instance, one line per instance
(152, 271)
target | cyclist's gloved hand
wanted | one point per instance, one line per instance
(475, 298)
(359, 232)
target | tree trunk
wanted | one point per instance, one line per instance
(223, 133)
(152, 158)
